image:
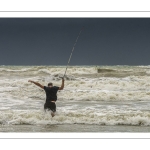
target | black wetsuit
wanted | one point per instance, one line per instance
(51, 95)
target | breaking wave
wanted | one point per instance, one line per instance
(75, 117)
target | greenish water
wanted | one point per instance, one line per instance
(73, 128)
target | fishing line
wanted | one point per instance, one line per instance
(72, 51)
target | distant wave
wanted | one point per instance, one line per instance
(121, 73)
(96, 71)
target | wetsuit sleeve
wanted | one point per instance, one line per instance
(57, 88)
(45, 88)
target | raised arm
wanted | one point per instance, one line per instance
(62, 84)
(36, 83)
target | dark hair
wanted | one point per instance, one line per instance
(50, 84)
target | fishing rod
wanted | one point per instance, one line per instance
(72, 51)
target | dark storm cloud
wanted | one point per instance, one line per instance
(49, 41)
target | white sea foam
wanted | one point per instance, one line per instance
(108, 95)
(84, 116)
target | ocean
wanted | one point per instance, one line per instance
(94, 99)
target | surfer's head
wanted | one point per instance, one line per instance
(50, 84)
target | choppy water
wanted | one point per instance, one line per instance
(93, 95)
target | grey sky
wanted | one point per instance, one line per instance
(49, 41)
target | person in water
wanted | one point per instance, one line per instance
(51, 95)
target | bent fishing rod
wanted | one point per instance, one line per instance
(72, 51)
